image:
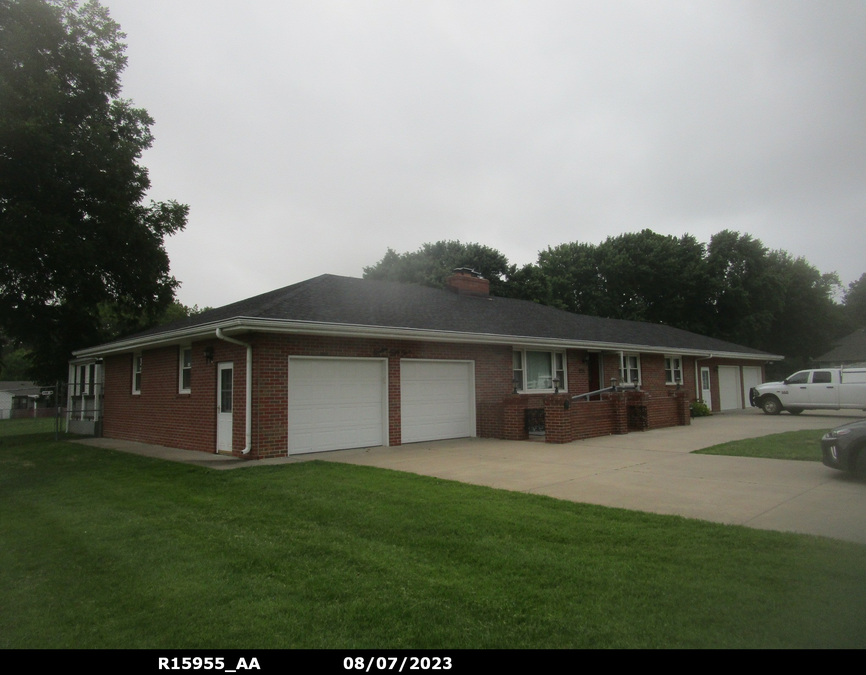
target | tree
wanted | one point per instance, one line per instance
(640, 276)
(430, 264)
(75, 235)
(855, 302)
(746, 290)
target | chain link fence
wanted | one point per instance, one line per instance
(27, 408)
(74, 407)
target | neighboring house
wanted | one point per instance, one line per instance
(337, 362)
(849, 351)
(17, 397)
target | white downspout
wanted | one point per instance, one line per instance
(249, 397)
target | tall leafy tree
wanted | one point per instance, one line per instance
(75, 233)
(746, 288)
(432, 263)
(641, 276)
(855, 302)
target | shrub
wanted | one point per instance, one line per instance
(700, 409)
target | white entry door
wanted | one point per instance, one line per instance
(225, 393)
(336, 404)
(437, 400)
(729, 388)
(706, 389)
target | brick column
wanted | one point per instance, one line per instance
(514, 423)
(620, 413)
(684, 413)
(557, 419)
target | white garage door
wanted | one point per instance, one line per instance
(751, 378)
(336, 404)
(437, 400)
(729, 388)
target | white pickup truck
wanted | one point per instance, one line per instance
(828, 388)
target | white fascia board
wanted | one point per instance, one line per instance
(279, 326)
(181, 335)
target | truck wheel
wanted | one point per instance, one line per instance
(794, 411)
(771, 405)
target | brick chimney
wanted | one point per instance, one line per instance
(466, 281)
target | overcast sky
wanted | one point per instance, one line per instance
(308, 137)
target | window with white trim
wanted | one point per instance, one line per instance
(629, 372)
(136, 373)
(534, 371)
(185, 371)
(673, 370)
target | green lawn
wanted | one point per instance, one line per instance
(105, 549)
(28, 426)
(803, 445)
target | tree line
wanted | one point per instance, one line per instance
(733, 287)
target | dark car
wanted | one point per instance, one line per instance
(845, 447)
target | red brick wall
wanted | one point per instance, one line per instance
(161, 415)
(514, 415)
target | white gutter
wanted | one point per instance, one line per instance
(248, 324)
(249, 398)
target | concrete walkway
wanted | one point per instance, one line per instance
(650, 471)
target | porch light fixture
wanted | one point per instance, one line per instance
(516, 382)
(208, 354)
(556, 384)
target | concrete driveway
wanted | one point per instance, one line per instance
(650, 471)
(654, 471)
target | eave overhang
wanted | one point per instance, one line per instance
(240, 325)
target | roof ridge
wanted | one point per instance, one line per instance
(296, 290)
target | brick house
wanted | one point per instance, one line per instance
(336, 362)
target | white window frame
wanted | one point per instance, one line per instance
(137, 367)
(625, 368)
(668, 359)
(521, 387)
(180, 368)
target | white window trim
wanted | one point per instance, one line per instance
(672, 369)
(563, 386)
(137, 367)
(180, 388)
(624, 371)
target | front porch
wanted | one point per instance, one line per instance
(563, 420)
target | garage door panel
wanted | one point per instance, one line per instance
(335, 404)
(437, 400)
(729, 388)
(751, 377)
